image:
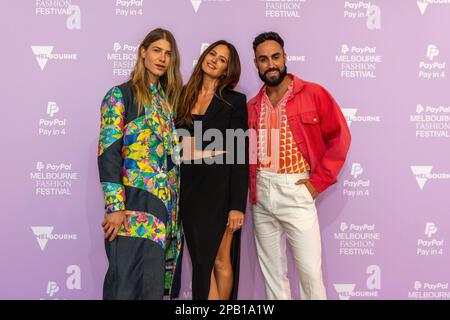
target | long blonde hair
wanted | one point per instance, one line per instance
(171, 81)
(191, 90)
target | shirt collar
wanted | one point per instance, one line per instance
(290, 88)
(156, 89)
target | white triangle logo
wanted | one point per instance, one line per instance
(422, 6)
(42, 53)
(196, 4)
(344, 290)
(349, 114)
(42, 235)
(421, 173)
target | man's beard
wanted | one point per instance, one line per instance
(276, 81)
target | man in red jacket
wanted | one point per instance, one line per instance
(298, 145)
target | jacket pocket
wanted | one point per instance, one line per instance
(310, 117)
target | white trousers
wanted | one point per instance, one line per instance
(284, 209)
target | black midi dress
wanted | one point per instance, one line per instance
(209, 191)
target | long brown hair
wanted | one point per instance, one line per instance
(191, 90)
(171, 81)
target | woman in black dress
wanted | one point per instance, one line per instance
(213, 192)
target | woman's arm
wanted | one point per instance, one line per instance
(240, 168)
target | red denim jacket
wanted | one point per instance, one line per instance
(319, 130)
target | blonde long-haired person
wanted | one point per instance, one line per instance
(139, 180)
(214, 190)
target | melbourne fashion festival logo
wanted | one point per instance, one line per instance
(45, 53)
(53, 179)
(358, 62)
(123, 58)
(423, 4)
(196, 3)
(357, 239)
(282, 9)
(429, 290)
(423, 174)
(346, 291)
(45, 233)
(431, 121)
(60, 8)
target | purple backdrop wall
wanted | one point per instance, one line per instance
(384, 224)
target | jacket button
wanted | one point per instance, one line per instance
(315, 119)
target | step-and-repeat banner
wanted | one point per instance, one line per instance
(385, 224)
